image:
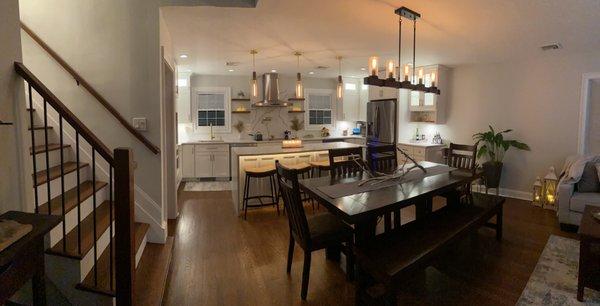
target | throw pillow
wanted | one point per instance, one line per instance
(598, 170)
(589, 181)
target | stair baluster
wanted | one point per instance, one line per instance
(110, 213)
(62, 180)
(47, 157)
(78, 193)
(33, 150)
(94, 212)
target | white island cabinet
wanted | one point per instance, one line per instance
(266, 155)
(205, 160)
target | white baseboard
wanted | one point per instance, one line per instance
(505, 192)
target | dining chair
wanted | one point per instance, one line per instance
(382, 158)
(464, 158)
(345, 161)
(314, 233)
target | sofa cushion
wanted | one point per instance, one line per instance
(598, 170)
(589, 181)
(580, 199)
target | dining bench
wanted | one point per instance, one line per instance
(389, 259)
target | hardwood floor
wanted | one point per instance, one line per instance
(220, 259)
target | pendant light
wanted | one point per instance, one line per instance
(299, 87)
(340, 85)
(393, 79)
(254, 82)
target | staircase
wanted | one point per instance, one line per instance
(92, 256)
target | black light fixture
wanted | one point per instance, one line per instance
(391, 80)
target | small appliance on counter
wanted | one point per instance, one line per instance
(360, 128)
(287, 134)
(324, 132)
(257, 136)
(437, 139)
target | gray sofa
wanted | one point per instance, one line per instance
(571, 201)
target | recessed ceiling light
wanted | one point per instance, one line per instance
(311, 72)
(183, 56)
(363, 68)
(231, 70)
(273, 70)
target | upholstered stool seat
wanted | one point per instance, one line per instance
(257, 173)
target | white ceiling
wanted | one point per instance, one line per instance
(449, 32)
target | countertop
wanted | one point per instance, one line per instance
(424, 144)
(247, 141)
(277, 149)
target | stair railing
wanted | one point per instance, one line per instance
(121, 196)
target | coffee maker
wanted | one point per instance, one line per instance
(360, 129)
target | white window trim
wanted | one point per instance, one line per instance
(212, 90)
(329, 92)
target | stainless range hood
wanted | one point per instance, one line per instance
(271, 92)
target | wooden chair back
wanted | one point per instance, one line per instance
(290, 192)
(345, 161)
(382, 158)
(461, 156)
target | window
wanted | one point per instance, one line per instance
(182, 82)
(350, 86)
(321, 108)
(212, 105)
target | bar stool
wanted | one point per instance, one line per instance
(260, 172)
(320, 166)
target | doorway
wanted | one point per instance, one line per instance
(169, 140)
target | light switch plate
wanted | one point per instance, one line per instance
(140, 124)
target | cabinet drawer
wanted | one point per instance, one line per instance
(407, 149)
(212, 148)
(419, 152)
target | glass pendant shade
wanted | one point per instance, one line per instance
(390, 70)
(299, 87)
(254, 84)
(373, 68)
(340, 88)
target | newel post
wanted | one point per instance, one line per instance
(124, 225)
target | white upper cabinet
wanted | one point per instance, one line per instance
(350, 106)
(430, 107)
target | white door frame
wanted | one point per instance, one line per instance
(584, 107)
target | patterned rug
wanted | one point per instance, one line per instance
(554, 280)
(207, 186)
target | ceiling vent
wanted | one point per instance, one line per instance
(232, 64)
(549, 47)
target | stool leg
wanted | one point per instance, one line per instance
(245, 200)
(274, 193)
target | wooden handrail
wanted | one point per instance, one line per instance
(64, 112)
(91, 90)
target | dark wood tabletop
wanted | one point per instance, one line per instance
(589, 227)
(365, 206)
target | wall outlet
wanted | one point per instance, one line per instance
(140, 124)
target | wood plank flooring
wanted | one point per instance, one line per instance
(220, 259)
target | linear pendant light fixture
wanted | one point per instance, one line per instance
(391, 80)
(340, 84)
(299, 87)
(254, 82)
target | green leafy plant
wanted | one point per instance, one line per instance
(495, 146)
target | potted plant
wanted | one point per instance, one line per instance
(494, 146)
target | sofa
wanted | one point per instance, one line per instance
(579, 186)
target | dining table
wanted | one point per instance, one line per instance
(363, 209)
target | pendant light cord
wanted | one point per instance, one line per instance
(414, 46)
(399, 47)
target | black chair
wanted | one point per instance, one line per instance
(345, 161)
(464, 158)
(382, 158)
(315, 233)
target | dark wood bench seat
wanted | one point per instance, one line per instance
(390, 257)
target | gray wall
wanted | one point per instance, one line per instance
(12, 106)
(593, 140)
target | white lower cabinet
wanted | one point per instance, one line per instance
(204, 161)
(431, 153)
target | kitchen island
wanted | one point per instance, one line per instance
(243, 157)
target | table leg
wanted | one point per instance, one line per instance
(38, 282)
(332, 252)
(365, 231)
(583, 253)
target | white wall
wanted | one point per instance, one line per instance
(115, 46)
(537, 98)
(253, 121)
(12, 106)
(593, 137)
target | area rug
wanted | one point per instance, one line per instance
(207, 186)
(554, 280)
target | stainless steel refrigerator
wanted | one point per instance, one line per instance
(382, 121)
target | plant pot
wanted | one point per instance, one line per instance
(492, 171)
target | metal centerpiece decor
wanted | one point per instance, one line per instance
(398, 175)
(494, 147)
(393, 79)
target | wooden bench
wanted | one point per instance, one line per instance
(389, 258)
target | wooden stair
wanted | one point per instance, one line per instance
(103, 266)
(71, 198)
(69, 167)
(40, 127)
(87, 234)
(51, 147)
(154, 270)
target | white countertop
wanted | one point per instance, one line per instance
(277, 149)
(424, 144)
(248, 140)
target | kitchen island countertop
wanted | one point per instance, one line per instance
(277, 149)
